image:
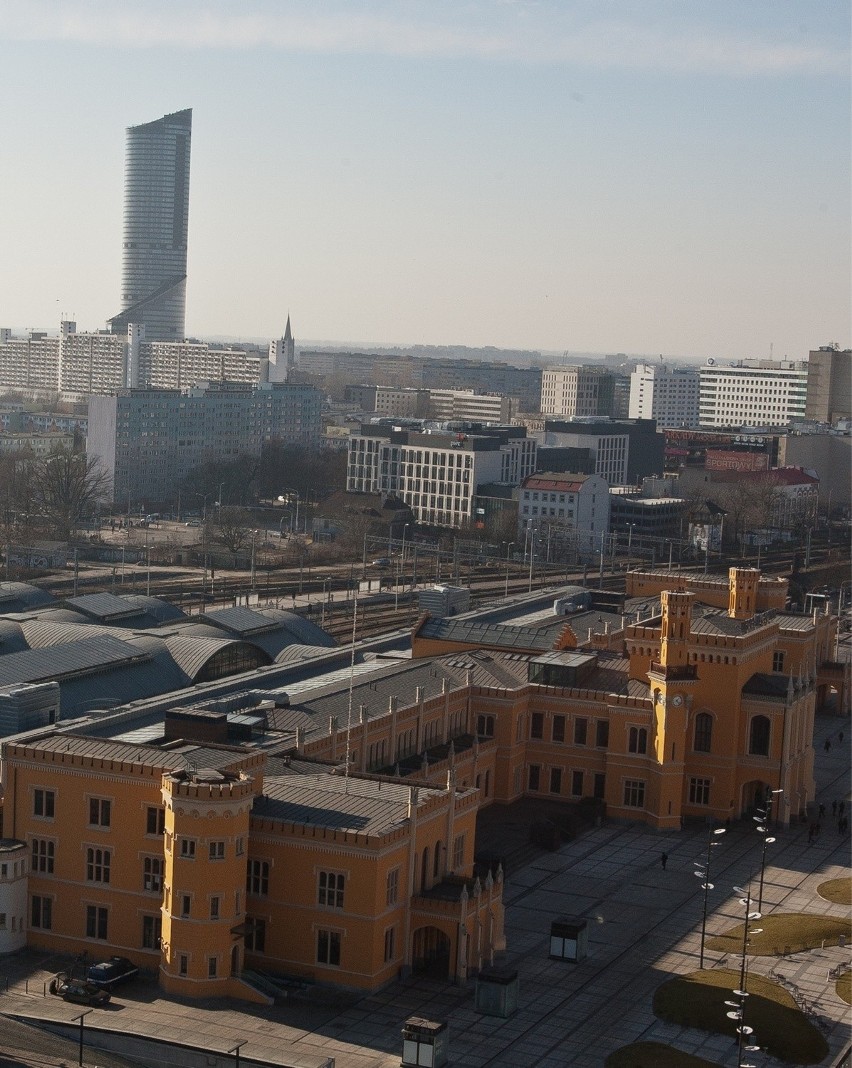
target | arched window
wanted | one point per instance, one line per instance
(758, 740)
(637, 740)
(424, 873)
(437, 863)
(703, 732)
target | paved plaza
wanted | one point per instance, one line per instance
(644, 927)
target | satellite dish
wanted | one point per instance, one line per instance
(711, 362)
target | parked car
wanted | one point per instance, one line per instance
(382, 561)
(193, 523)
(107, 974)
(79, 991)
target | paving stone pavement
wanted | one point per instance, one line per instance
(644, 926)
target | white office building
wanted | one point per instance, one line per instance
(668, 394)
(753, 393)
(576, 392)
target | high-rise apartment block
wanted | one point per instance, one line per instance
(148, 441)
(576, 392)
(829, 384)
(156, 224)
(667, 394)
(753, 393)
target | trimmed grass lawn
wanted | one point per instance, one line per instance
(698, 1000)
(654, 1055)
(792, 931)
(844, 988)
(838, 891)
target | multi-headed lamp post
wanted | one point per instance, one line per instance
(744, 1044)
(762, 820)
(702, 870)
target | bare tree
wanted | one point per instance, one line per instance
(66, 487)
(233, 528)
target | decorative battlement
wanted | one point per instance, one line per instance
(208, 785)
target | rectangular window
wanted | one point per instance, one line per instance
(559, 728)
(778, 660)
(577, 783)
(155, 820)
(390, 940)
(100, 812)
(217, 850)
(330, 889)
(602, 733)
(534, 777)
(214, 908)
(152, 874)
(255, 936)
(699, 791)
(96, 922)
(185, 906)
(187, 848)
(43, 855)
(556, 780)
(152, 930)
(212, 967)
(240, 847)
(458, 852)
(98, 863)
(581, 729)
(537, 725)
(392, 887)
(41, 913)
(634, 793)
(183, 964)
(44, 804)
(257, 877)
(328, 947)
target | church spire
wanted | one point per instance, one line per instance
(288, 334)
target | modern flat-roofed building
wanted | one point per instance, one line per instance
(753, 393)
(829, 396)
(667, 394)
(624, 451)
(147, 441)
(576, 392)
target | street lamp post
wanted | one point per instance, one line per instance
(509, 548)
(253, 540)
(741, 993)
(81, 1018)
(762, 820)
(702, 870)
(532, 556)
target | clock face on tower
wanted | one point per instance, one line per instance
(677, 700)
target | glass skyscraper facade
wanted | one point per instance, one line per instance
(156, 217)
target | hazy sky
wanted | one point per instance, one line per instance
(663, 176)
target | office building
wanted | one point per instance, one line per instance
(759, 393)
(564, 509)
(667, 394)
(156, 225)
(829, 397)
(148, 441)
(622, 451)
(576, 392)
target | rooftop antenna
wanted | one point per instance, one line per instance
(351, 688)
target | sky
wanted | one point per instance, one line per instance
(659, 176)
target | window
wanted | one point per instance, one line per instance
(703, 732)
(187, 848)
(240, 847)
(44, 804)
(328, 947)
(212, 967)
(558, 729)
(637, 740)
(152, 874)
(217, 850)
(581, 727)
(458, 852)
(255, 936)
(43, 855)
(214, 908)
(152, 930)
(577, 783)
(96, 922)
(699, 791)
(183, 964)
(98, 865)
(392, 886)
(556, 780)
(537, 725)
(155, 820)
(602, 733)
(390, 940)
(185, 906)
(330, 889)
(534, 777)
(100, 811)
(485, 726)
(41, 913)
(634, 793)
(778, 660)
(758, 741)
(257, 877)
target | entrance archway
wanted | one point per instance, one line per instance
(430, 953)
(753, 796)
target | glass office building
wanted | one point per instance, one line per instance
(156, 216)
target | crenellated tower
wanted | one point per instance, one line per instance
(742, 592)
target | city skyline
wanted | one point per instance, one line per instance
(511, 174)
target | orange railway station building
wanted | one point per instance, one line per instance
(329, 835)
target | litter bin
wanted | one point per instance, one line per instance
(568, 940)
(497, 992)
(424, 1043)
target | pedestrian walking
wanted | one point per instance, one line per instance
(811, 832)
(834, 810)
(827, 746)
(821, 811)
(664, 859)
(841, 808)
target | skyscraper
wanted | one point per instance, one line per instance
(156, 215)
